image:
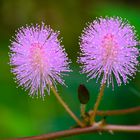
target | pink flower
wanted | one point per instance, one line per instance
(37, 59)
(108, 51)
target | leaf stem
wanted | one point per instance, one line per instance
(118, 112)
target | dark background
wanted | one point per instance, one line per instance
(21, 115)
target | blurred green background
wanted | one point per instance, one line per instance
(21, 115)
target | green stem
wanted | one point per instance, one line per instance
(100, 95)
(66, 107)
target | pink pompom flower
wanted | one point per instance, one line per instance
(38, 59)
(108, 50)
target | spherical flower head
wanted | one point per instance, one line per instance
(108, 50)
(37, 58)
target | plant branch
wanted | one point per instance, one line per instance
(92, 129)
(67, 108)
(118, 112)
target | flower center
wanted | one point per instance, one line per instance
(37, 55)
(109, 47)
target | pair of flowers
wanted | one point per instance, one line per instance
(107, 46)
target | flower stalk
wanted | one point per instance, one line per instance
(66, 107)
(100, 95)
(83, 108)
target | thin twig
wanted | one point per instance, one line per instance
(91, 129)
(118, 112)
